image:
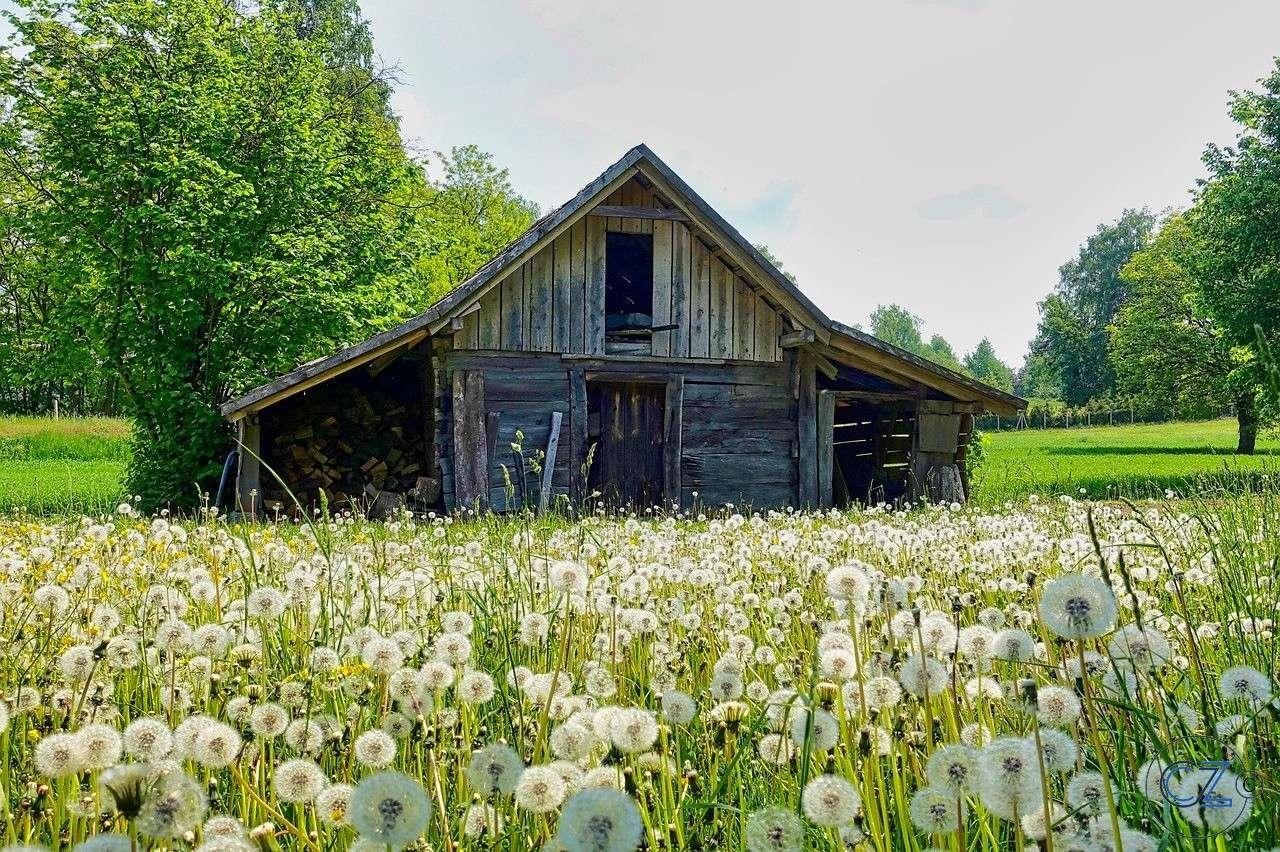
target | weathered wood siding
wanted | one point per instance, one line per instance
(737, 425)
(554, 301)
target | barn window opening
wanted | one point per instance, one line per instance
(628, 284)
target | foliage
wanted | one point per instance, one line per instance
(983, 365)
(1071, 341)
(777, 264)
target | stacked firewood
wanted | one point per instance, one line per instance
(354, 447)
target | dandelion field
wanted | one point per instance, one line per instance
(869, 680)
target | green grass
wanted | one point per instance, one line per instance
(61, 466)
(1135, 461)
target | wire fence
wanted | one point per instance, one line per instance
(1040, 417)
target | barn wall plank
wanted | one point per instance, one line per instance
(722, 301)
(700, 302)
(678, 338)
(577, 288)
(744, 320)
(513, 310)
(595, 230)
(561, 282)
(663, 239)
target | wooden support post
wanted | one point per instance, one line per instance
(248, 472)
(826, 447)
(549, 463)
(673, 439)
(578, 448)
(807, 440)
(470, 444)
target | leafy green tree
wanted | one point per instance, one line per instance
(940, 351)
(1072, 339)
(1236, 226)
(769, 256)
(1167, 349)
(983, 364)
(217, 213)
(896, 325)
(472, 213)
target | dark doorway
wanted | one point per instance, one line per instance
(626, 427)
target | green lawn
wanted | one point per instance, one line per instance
(57, 466)
(77, 464)
(1141, 460)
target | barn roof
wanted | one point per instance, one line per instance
(841, 338)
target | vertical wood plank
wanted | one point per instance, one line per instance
(490, 320)
(826, 447)
(680, 262)
(549, 461)
(539, 296)
(673, 440)
(700, 302)
(721, 345)
(744, 320)
(631, 198)
(577, 435)
(762, 349)
(470, 450)
(469, 336)
(562, 256)
(594, 318)
(662, 246)
(807, 439)
(513, 310)
(577, 287)
(248, 471)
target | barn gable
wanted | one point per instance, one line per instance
(632, 310)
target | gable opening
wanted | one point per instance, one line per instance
(628, 286)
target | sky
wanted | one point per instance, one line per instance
(945, 155)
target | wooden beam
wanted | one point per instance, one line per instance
(793, 339)
(673, 439)
(826, 448)
(807, 424)
(637, 212)
(578, 446)
(873, 396)
(248, 472)
(470, 445)
(824, 366)
(549, 462)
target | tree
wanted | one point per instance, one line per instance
(217, 213)
(896, 325)
(1072, 337)
(1236, 226)
(472, 214)
(983, 364)
(1168, 350)
(940, 351)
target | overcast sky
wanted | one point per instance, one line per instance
(947, 155)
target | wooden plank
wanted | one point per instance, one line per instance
(721, 326)
(549, 462)
(680, 264)
(629, 212)
(939, 433)
(470, 434)
(807, 422)
(662, 251)
(826, 448)
(490, 320)
(577, 288)
(700, 302)
(765, 338)
(513, 311)
(794, 339)
(561, 258)
(578, 446)
(594, 308)
(744, 320)
(538, 294)
(249, 468)
(672, 440)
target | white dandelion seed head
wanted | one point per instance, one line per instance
(830, 801)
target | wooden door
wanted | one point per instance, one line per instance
(628, 465)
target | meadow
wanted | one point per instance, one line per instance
(73, 464)
(1063, 675)
(1143, 460)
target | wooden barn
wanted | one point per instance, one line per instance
(630, 345)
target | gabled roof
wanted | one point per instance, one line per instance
(461, 297)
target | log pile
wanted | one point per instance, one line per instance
(360, 441)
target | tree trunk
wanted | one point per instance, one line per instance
(1247, 417)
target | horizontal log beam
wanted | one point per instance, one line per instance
(623, 212)
(796, 339)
